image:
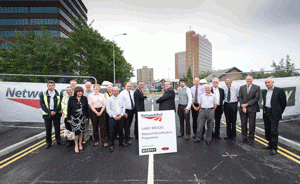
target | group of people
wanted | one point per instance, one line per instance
(208, 104)
(111, 112)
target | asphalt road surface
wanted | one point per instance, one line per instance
(221, 162)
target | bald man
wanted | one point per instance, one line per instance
(274, 103)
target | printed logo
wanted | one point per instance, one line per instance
(165, 148)
(155, 118)
(148, 150)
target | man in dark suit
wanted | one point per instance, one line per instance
(139, 98)
(248, 97)
(219, 93)
(166, 102)
(274, 103)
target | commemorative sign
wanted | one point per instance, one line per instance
(157, 132)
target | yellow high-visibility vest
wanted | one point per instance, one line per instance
(47, 104)
(64, 105)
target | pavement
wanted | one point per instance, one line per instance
(221, 162)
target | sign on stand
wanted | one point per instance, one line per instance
(157, 132)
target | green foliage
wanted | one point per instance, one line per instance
(89, 53)
(204, 74)
(258, 75)
(31, 54)
(284, 68)
(189, 78)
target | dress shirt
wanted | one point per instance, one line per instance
(97, 100)
(111, 106)
(125, 95)
(207, 101)
(269, 97)
(51, 103)
(234, 93)
(201, 90)
(217, 94)
(189, 94)
(86, 93)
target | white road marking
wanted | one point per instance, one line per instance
(151, 169)
(214, 168)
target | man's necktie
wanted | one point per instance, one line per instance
(248, 89)
(217, 94)
(228, 95)
(196, 95)
(130, 100)
(117, 105)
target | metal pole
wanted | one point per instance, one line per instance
(114, 56)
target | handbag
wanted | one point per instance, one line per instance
(69, 135)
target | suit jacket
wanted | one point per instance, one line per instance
(166, 102)
(72, 106)
(139, 100)
(222, 96)
(57, 108)
(251, 98)
(278, 102)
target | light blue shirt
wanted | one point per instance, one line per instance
(111, 106)
(208, 101)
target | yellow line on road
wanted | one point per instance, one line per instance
(264, 142)
(11, 157)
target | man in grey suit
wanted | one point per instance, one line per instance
(248, 97)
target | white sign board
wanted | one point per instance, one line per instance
(157, 132)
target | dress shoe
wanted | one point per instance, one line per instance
(268, 147)
(60, 142)
(111, 148)
(131, 137)
(251, 142)
(194, 136)
(273, 152)
(48, 146)
(187, 137)
(218, 137)
(128, 142)
(180, 135)
(244, 140)
(195, 140)
(208, 142)
(123, 144)
(227, 137)
(105, 144)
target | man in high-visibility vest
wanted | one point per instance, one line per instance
(50, 102)
(64, 107)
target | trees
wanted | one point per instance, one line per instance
(86, 52)
(89, 53)
(189, 78)
(204, 74)
(284, 68)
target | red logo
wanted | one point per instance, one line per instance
(155, 118)
(30, 102)
(165, 148)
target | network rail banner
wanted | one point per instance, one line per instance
(19, 102)
(291, 86)
(157, 132)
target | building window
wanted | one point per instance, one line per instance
(44, 21)
(13, 9)
(68, 8)
(13, 22)
(80, 6)
(54, 33)
(10, 33)
(43, 10)
(66, 16)
(64, 25)
(5, 45)
(63, 35)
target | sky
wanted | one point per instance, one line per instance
(246, 34)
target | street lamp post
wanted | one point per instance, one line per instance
(114, 56)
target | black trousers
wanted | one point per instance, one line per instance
(184, 117)
(271, 129)
(195, 115)
(127, 123)
(107, 123)
(244, 121)
(48, 124)
(218, 115)
(113, 127)
(230, 110)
